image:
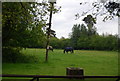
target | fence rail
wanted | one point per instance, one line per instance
(47, 76)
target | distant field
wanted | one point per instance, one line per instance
(93, 63)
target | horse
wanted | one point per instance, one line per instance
(69, 49)
(50, 48)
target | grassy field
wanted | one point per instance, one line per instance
(93, 63)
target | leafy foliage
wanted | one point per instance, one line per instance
(23, 24)
(19, 24)
(86, 37)
(90, 21)
(108, 9)
(84, 40)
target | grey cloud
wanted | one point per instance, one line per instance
(63, 22)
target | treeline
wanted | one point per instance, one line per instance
(85, 36)
(95, 42)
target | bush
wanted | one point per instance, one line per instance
(13, 55)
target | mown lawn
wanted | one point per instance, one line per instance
(93, 62)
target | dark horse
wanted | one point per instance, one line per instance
(50, 48)
(69, 49)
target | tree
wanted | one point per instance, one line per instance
(90, 21)
(21, 25)
(83, 42)
(49, 31)
(108, 9)
(75, 35)
(54, 42)
(37, 38)
(84, 30)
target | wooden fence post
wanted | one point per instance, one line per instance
(74, 71)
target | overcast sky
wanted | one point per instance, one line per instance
(63, 22)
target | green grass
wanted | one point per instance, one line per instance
(93, 63)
